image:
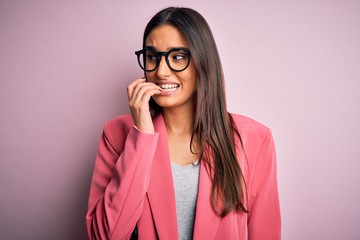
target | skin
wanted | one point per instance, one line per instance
(178, 104)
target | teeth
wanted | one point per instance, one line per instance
(169, 86)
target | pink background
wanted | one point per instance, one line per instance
(64, 67)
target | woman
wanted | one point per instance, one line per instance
(180, 166)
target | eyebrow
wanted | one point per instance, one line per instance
(168, 49)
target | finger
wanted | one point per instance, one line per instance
(148, 94)
(144, 90)
(132, 86)
(137, 90)
(141, 87)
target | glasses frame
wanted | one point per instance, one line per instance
(159, 54)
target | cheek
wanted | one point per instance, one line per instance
(150, 76)
(189, 85)
(191, 79)
(192, 74)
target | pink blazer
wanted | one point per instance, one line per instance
(132, 186)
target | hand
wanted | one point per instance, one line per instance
(139, 93)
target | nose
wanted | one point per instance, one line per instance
(163, 69)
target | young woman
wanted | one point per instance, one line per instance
(180, 166)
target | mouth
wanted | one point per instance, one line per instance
(168, 87)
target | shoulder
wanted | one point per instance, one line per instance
(123, 121)
(257, 143)
(118, 127)
(248, 125)
(252, 132)
(119, 123)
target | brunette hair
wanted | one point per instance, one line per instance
(213, 126)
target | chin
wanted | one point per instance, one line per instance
(165, 104)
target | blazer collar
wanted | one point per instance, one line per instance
(161, 194)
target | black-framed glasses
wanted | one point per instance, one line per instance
(178, 59)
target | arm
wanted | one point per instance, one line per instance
(264, 209)
(119, 184)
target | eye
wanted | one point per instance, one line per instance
(178, 56)
(151, 57)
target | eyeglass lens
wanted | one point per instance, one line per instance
(176, 59)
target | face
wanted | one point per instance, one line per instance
(177, 87)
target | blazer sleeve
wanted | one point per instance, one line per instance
(264, 221)
(119, 184)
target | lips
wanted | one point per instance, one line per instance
(168, 86)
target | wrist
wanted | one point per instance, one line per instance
(147, 131)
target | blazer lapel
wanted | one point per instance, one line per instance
(161, 194)
(161, 188)
(206, 221)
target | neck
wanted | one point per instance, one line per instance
(179, 121)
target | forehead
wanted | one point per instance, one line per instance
(165, 37)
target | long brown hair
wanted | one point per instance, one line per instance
(213, 126)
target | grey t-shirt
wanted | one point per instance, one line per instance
(186, 181)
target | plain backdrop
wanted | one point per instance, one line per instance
(65, 65)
